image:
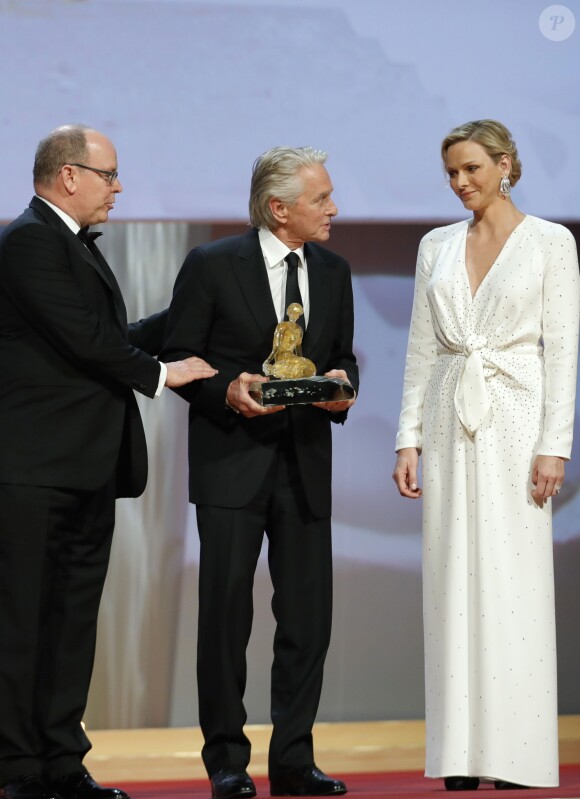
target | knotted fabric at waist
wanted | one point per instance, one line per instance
(471, 399)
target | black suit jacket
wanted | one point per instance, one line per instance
(222, 310)
(69, 362)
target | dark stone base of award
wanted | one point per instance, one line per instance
(301, 391)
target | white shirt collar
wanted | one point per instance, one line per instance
(68, 220)
(274, 250)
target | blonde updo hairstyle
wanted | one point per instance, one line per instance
(495, 139)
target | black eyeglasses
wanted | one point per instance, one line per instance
(110, 176)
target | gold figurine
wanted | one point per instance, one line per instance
(286, 359)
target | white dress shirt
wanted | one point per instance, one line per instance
(275, 252)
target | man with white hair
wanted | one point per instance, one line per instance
(256, 470)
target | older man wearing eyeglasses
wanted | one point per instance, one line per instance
(72, 441)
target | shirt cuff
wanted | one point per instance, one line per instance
(162, 378)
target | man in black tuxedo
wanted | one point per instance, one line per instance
(254, 469)
(72, 441)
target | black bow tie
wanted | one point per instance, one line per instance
(87, 235)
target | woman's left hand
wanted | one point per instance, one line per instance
(547, 477)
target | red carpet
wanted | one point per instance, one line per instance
(407, 784)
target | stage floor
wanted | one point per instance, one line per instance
(345, 748)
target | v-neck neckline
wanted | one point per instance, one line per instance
(473, 295)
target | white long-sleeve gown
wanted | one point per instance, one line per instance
(489, 384)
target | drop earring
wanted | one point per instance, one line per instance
(505, 187)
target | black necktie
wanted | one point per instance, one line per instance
(292, 287)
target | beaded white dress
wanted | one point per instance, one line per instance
(489, 384)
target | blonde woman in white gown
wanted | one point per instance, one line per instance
(488, 399)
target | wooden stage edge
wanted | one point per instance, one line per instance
(341, 748)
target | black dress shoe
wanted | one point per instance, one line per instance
(461, 783)
(229, 783)
(29, 786)
(307, 781)
(504, 785)
(80, 785)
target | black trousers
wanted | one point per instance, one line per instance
(300, 563)
(54, 553)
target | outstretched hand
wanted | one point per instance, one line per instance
(179, 373)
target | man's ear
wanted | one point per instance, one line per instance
(279, 210)
(69, 178)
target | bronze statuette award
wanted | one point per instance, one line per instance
(293, 379)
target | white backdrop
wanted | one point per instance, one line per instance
(191, 92)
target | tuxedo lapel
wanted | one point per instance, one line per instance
(318, 275)
(250, 271)
(94, 258)
(97, 260)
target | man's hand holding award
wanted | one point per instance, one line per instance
(292, 377)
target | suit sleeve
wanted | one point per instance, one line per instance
(342, 356)
(38, 278)
(148, 334)
(188, 332)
